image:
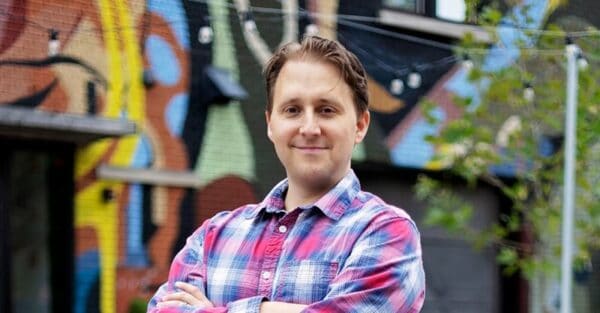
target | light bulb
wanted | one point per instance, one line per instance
(582, 62)
(396, 86)
(414, 80)
(467, 64)
(311, 30)
(248, 21)
(249, 25)
(528, 93)
(205, 35)
(53, 43)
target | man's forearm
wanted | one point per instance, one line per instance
(281, 307)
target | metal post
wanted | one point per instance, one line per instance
(569, 181)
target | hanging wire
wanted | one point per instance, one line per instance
(350, 20)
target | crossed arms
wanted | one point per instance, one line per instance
(382, 273)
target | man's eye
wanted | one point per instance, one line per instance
(327, 110)
(291, 110)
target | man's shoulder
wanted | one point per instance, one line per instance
(227, 216)
(371, 205)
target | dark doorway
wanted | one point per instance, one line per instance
(36, 226)
(459, 278)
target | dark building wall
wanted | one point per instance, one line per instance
(459, 277)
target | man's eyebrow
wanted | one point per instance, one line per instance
(330, 101)
(290, 100)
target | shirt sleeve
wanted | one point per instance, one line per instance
(384, 272)
(189, 266)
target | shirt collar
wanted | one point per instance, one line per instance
(333, 204)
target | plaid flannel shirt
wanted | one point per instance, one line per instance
(348, 252)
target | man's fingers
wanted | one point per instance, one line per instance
(188, 294)
(163, 304)
(193, 290)
(179, 296)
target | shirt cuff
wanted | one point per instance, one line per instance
(246, 305)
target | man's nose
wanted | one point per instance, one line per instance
(310, 125)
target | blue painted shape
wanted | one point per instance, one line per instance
(505, 52)
(143, 155)
(174, 15)
(87, 273)
(176, 112)
(500, 56)
(413, 150)
(136, 253)
(163, 61)
(460, 86)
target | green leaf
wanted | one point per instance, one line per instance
(507, 256)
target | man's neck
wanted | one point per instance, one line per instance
(297, 198)
(297, 195)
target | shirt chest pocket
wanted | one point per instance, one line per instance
(306, 281)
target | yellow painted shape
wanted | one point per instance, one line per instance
(381, 100)
(328, 20)
(90, 210)
(445, 152)
(555, 4)
(88, 156)
(135, 96)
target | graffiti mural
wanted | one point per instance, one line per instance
(145, 61)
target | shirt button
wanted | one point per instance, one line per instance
(266, 275)
(282, 229)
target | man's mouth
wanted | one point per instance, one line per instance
(310, 149)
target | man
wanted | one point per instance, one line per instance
(316, 243)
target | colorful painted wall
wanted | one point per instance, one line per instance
(143, 61)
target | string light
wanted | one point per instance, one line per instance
(53, 43)
(582, 62)
(311, 29)
(572, 47)
(528, 92)
(396, 86)
(414, 79)
(248, 21)
(205, 35)
(349, 17)
(467, 63)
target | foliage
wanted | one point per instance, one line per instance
(501, 129)
(138, 305)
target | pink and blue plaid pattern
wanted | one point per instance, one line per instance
(349, 252)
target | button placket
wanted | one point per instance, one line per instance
(272, 253)
(266, 275)
(274, 250)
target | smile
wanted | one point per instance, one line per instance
(309, 148)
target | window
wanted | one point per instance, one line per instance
(449, 10)
(414, 6)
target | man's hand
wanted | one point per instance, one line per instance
(188, 295)
(280, 307)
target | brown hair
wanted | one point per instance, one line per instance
(324, 50)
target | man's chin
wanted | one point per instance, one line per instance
(317, 178)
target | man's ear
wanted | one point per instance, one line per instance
(362, 125)
(268, 119)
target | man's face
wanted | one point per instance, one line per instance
(313, 123)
